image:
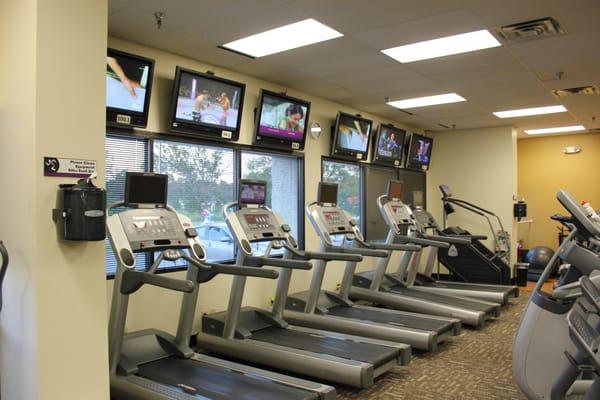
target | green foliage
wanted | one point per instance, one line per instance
(196, 185)
(347, 176)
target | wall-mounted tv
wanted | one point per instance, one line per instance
(128, 89)
(419, 152)
(281, 121)
(389, 145)
(351, 136)
(206, 106)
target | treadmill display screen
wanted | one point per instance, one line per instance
(258, 221)
(333, 218)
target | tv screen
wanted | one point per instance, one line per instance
(389, 145)
(394, 189)
(128, 88)
(327, 193)
(253, 192)
(419, 152)
(351, 135)
(146, 188)
(282, 120)
(206, 105)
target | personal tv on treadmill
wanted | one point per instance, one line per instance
(351, 136)
(281, 121)
(128, 89)
(394, 189)
(207, 106)
(252, 192)
(419, 152)
(146, 188)
(389, 145)
(327, 193)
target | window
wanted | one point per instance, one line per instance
(121, 155)
(282, 176)
(201, 182)
(348, 177)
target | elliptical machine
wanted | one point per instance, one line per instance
(540, 365)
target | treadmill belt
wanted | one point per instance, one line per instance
(406, 321)
(446, 300)
(217, 383)
(351, 350)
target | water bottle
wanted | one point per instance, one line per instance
(589, 211)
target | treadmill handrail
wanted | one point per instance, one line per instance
(232, 269)
(393, 247)
(427, 241)
(3, 268)
(256, 261)
(456, 239)
(357, 250)
(134, 280)
(325, 256)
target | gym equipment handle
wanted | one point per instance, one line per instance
(430, 242)
(313, 255)
(245, 271)
(393, 247)
(457, 239)
(360, 251)
(133, 280)
(254, 261)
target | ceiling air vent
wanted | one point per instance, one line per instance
(534, 29)
(585, 90)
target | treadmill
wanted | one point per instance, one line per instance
(151, 364)
(321, 309)
(263, 337)
(397, 291)
(425, 223)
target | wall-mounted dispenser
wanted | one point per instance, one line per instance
(80, 212)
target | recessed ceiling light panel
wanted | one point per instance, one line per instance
(524, 112)
(445, 46)
(426, 101)
(556, 129)
(287, 37)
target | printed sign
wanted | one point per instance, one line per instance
(68, 167)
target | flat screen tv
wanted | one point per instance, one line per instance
(419, 152)
(252, 192)
(128, 89)
(146, 188)
(281, 121)
(389, 145)
(206, 106)
(351, 136)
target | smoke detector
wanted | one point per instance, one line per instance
(528, 30)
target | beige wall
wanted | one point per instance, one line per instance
(480, 166)
(53, 325)
(543, 170)
(213, 296)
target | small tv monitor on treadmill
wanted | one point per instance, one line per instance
(418, 199)
(446, 192)
(252, 192)
(146, 188)
(327, 193)
(394, 189)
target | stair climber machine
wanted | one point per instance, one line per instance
(424, 225)
(152, 364)
(263, 337)
(398, 290)
(335, 311)
(3, 267)
(555, 342)
(475, 262)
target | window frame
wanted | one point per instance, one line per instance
(238, 149)
(361, 189)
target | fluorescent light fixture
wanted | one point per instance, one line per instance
(455, 44)
(556, 129)
(426, 101)
(298, 34)
(524, 112)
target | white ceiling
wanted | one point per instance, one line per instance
(353, 71)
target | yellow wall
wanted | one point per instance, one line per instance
(53, 337)
(259, 292)
(543, 170)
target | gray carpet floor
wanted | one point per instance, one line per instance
(473, 365)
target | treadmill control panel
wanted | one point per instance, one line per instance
(335, 219)
(153, 229)
(424, 218)
(260, 224)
